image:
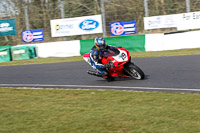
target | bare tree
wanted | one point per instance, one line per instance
(42, 11)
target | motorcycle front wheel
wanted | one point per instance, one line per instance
(135, 72)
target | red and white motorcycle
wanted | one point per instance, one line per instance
(121, 66)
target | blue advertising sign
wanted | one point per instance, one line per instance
(123, 28)
(89, 25)
(32, 35)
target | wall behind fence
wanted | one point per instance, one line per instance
(133, 43)
(5, 54)
(160, 42)
(59, 49)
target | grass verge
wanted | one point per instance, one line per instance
(79, 58)
(93, 111)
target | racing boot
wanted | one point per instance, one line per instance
(107, 76)
(95, 73)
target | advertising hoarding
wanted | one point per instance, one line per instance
(32, 35)
(156, 22)
(188, 21)
(8, 27)
(76, 26)
(183, 21)
(123, 28)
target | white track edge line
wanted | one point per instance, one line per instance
(88, 86)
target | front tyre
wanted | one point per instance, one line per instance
(135, 72)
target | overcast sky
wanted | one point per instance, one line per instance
(7, 8)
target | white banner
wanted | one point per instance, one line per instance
(183, 21)
(58, 49)
(188, 21)
(156, 22)
(76, 26)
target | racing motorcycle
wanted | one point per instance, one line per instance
(119, 60)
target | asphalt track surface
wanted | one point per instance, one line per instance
(172, 73)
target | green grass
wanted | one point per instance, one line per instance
(93, 111)
(79, 58)
(166, 53)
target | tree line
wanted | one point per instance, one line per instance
(40, 13)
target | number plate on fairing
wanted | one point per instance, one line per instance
(121, 57)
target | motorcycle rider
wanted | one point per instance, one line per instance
(96, 55)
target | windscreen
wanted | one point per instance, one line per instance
(111, 52)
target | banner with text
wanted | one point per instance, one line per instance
(33, 35)
(157, 22)
(8, 27)
(187, 21)
(183, 21)
(76, 26)
(123, 28)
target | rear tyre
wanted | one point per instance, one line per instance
(135, 72)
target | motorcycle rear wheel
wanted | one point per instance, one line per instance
(135, 72)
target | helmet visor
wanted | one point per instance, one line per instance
(102, 47)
